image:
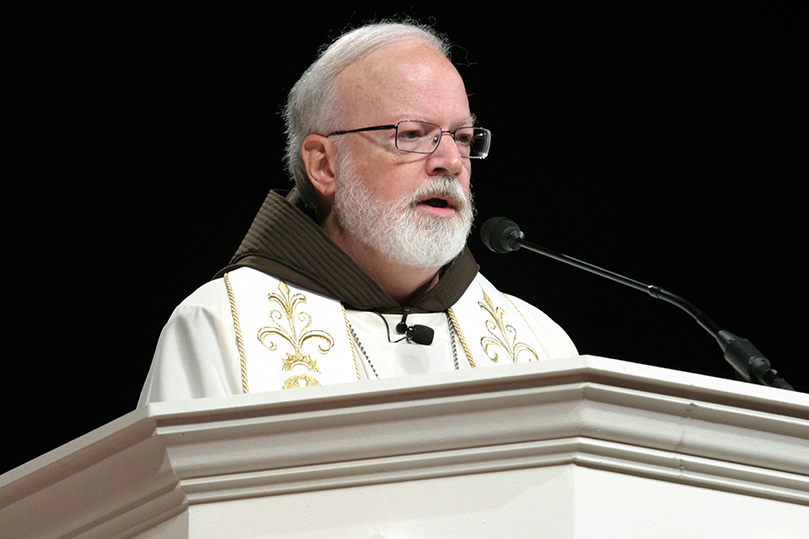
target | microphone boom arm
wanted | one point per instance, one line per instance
(502, 235)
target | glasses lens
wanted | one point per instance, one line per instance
(419, 137)
(473, 142)
(424, 137)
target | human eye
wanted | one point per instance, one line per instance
(413, 131)
(417, 137)
(465, 136)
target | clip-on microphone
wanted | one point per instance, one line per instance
(417, 333)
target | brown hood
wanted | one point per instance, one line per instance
(285, 242)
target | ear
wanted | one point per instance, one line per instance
(320, 157)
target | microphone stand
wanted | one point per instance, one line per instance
(750, 364)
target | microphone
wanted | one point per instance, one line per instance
(502, 235)
(416, 333)
(420, 334)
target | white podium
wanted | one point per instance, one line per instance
(583, 447)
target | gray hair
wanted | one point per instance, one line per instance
(313, 106)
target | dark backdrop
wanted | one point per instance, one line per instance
(666, 145)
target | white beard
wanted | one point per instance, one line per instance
(400, 230)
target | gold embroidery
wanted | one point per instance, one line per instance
(300, 380)
(292, 334)
(530, 327)
(503, 335)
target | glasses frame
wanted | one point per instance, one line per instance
(437, 141)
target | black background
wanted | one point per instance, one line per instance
(668, 145)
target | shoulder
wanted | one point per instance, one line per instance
(215, 296)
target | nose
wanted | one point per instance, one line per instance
(446, 159)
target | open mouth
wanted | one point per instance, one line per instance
(436, 202)
(438, 206)
(443, 197)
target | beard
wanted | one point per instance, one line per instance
(399, 230)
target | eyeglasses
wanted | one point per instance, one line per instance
(424, 137)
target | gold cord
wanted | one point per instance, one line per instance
(237, 327)
(351, 343)
(461, 338)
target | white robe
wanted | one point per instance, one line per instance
(201, 351)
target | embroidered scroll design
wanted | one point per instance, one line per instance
(294, 334)
(504, 336)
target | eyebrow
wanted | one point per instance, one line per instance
(469, 121)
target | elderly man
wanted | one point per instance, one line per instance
(361, 271)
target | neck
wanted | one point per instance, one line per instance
(405, 284)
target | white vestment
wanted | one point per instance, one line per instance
(250, 332)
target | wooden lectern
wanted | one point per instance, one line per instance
(583, 447)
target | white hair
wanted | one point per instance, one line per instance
(313, 106)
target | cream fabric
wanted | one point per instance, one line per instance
(197, 354)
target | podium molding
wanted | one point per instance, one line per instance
(588, 425)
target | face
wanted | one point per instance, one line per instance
(399, 230)
(413, 208)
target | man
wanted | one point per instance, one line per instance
(361, 271)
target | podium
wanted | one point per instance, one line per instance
(581, 447)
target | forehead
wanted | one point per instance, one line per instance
(409, 80)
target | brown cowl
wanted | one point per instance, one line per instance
(285, 242)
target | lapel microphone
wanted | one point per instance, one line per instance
(416, 333)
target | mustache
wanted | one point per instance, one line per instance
(444, 187)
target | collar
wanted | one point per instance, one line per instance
(285, 241)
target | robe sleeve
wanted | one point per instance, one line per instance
(196, 354)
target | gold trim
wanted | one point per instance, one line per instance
(461, 338)
(351, 343)
(239, 342)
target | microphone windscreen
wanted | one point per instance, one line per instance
(500, 234)
(420, 334)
